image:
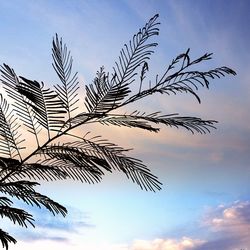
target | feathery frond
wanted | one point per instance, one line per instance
(133, 168)
(4, 201)
(21, 104)
(23, 190)
(45, 104)
(5, 238)
(98, 154)
(141, 120)
(32, 171)
(143, 74)
(113, 119)
(63, 62)
(75, 162)
(105, 94)
(16, 215)
(189, 81)
(10, 137)
(37, 171)
(182, 80)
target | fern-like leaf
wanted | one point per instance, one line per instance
(127, 121)
(114, 155)
(4, 201)
(182, 80)
(143, 74)
(16, 215)
(10, 83)
(32, 171)
(67, 92)
(10, 137)
(113, 119)
(23, 190)
(6, 239)
(37, 171)
(143, 121)
(45, 104)
(98, 154)
(75, 162)
(105, 94)
(190, 81)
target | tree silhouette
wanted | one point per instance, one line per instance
(50, 113)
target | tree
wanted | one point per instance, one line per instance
(51, 113)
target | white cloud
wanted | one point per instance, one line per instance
(184, 243)
(234, 219)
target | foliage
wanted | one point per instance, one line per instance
(46, 112)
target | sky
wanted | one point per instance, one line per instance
(205, 198)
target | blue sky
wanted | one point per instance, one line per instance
(205, 199)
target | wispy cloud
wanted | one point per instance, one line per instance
(54, 228)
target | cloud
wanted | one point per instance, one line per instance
(166, 244)
(158, 244)
(229, 226)
(226, 227)
(53, 228)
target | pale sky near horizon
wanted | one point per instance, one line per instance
(205, 198)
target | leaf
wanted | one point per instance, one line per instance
(6, 239)
(21, 106)
(133, 168)
(33, 171)
(101, 94)
(23, 190)
(192, 124)
(10, 137)
(143, 121)
(101, 154)
(4, 201)
(75, 162)
(127, 121)
(189, 81)
(113, 119)
(63, 62)
(143, 74)
(45, 104)
(181, 80)
(105, 94)
(16, 215)
(37, 171)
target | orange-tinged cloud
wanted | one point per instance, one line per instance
(233, 219)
